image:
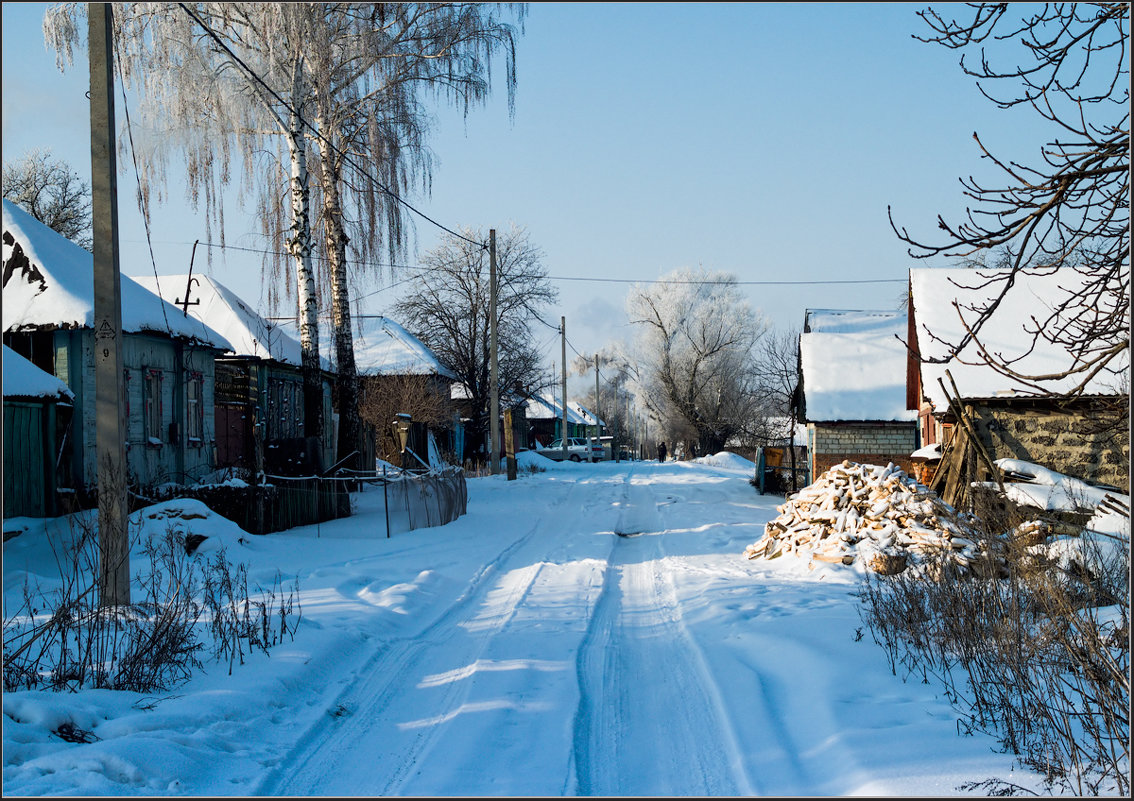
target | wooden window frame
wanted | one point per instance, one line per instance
(152, 408)
(195, 409)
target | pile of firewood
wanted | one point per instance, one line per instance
(877, 516)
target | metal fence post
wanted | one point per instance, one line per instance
(386, 500)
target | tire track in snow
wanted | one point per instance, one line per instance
(369, 716)
(650, 719)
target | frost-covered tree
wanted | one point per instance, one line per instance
(218, 82)
(695, 353)
(371, 67)
(611, 399)
(447, 307)
(50, 190)
(275, 83)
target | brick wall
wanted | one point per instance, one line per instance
(866, 443)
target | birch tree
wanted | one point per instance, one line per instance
(370, 66)
(345, 79)
(694, 349)
(218, 80)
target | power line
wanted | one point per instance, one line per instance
(138, 178)
(346, 157)
(663, 281)
(726, 282)
(268, 252)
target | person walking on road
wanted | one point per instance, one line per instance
(661, 451)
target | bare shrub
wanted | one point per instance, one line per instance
(1039, 658)
(62, 640)
(240, 622)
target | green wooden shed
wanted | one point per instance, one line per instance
(37, 409)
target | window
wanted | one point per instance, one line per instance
(151, 402)
(195, 408)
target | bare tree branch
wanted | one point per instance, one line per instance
(1068, 210)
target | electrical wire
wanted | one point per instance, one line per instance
(663, 281)
(346, 157)
(138, 178)
(728, 282)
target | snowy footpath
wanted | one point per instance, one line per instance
(587, 630)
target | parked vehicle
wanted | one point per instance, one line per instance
(579, 449)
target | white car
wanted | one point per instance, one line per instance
(579, 449)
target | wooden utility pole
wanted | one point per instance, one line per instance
(563, 345)
(494, 363)
(110, 423)
(510, 444)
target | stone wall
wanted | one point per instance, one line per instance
(1087, 439)
(862, 442)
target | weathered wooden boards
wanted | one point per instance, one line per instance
(877, 516)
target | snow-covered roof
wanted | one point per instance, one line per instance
(1033, 295)
(846, 321)
(221, 309)
(22, 379)
(383, 347)
(854, 366)
(588, 416)
(545, 406)
(928, 452)
(780, 427)
(56, 288)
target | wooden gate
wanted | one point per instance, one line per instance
(233, 430)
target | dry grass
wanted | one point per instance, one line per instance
(1039, 658)
(191, 607)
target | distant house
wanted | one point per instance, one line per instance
(1008, 418)
(853, 393)
(259, 383)
(37, 413)
(398, 374)
(595, 425)
(48, 309)
(544, 413)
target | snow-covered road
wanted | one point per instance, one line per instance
(484, 684)
(589, 630)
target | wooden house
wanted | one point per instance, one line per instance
(399, 375)
(260, 383)
(978, 414)
(48, 310)
(544, 414)
(37, 413)
(852, 389)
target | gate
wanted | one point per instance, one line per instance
(232, 435)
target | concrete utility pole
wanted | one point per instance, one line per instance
(563, 345)
(598, 428)
(110, 424)
(494, 363)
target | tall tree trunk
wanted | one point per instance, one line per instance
(299, 246)
(346, 377)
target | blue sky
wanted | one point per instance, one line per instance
(762, 139)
